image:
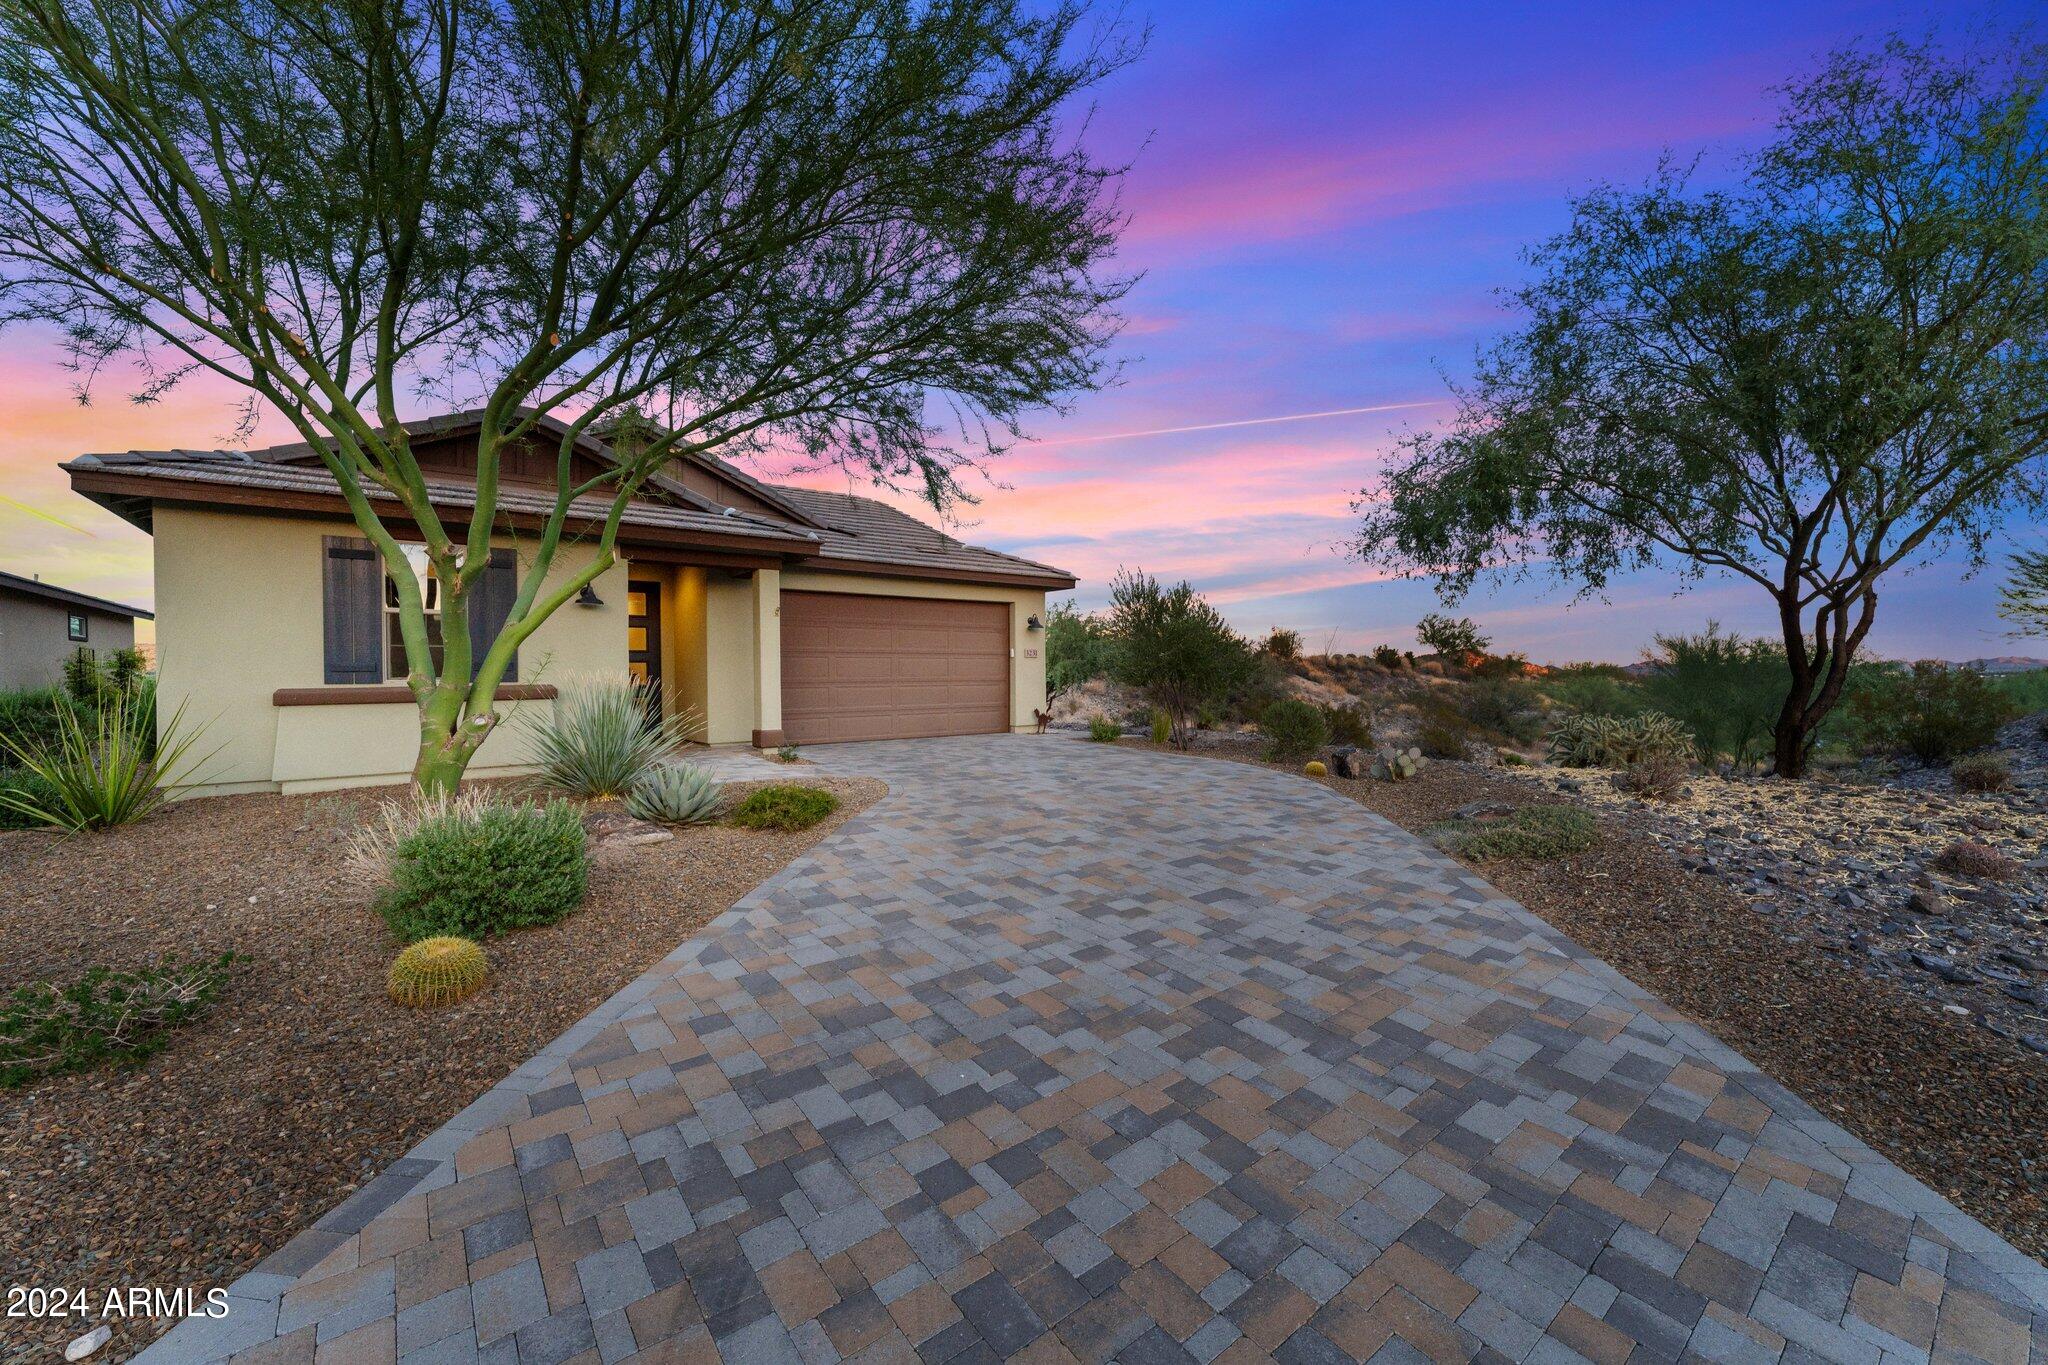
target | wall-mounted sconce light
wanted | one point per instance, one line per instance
(1033, 623)
(588, 597)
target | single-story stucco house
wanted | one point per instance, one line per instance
(781, 615)
(42, 625)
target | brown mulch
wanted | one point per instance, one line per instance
(305, 1080)
(1960, 1108)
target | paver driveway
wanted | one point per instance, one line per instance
(1071, 1051)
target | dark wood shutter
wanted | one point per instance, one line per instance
(494, 594)
(352, 610)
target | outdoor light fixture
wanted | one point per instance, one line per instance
(1033, 623)
(588, 597)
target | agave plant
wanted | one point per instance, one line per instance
(675, 794)
(111, 767)
(602, 735)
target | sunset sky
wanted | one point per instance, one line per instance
(1324, 198)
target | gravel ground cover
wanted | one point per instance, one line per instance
(1958, 1106)
(305, 1081)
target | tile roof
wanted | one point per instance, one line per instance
(822, 527)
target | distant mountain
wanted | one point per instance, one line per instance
(2004, 663)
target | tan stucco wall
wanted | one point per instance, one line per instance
(238, 613)
(1027, 647)
(728, 659)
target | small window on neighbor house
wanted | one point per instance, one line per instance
(75, 626)
(394, 630)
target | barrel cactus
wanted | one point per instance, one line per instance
(437, 971)
(1397, 765)
(675, 794)
(1315, 768)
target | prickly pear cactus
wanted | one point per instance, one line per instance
(1397, 765)
(437, 971)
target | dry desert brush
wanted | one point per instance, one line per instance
(104, 1015)
(1535, 833)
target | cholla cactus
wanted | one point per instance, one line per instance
(1397, 765)
(675, 794)
(437, 971)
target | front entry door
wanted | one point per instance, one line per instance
(643, 639)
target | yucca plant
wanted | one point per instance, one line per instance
(109, 766)
(602, 735)
(675, 794)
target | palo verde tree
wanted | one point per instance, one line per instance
(849, 228)
(1835, 367)
(2024, 598)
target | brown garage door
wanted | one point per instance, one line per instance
(892, 667)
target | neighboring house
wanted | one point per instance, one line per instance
(41, 626)
(777, 614)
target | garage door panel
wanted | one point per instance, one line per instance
(856, 667)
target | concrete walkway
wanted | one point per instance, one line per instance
(1064, 1051)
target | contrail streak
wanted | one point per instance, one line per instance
(38, 512)
(1241, 422)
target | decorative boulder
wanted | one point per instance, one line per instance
(1348, 760)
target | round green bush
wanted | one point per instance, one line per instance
(783, 807)
(482, 871)
(1103, 730)
(1293, 730)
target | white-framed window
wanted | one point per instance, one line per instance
(394, 630)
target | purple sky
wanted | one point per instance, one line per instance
(1324, 198)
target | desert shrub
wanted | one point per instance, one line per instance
(1534, 832)
(1929, 711)
(107, 767)
(1349, 723)
(1501, 705)
(786, 754)
(373, 845)
(1980, 773)
(21, 792)
(1968, 858)
(784, 807)
(1510, 759)
(1103, 730)
(1444, 734)
(1501, 666)
(1617, 741)
(105, 1014)
(675, 794)
(1451, 636)
(600, 735)
(1175, 648)
(33, 718)
(1293, 730)
(1160, 726)
(1593, 690)
(1078, 648)
(486, 868)
(1655, 777)
(2027, 691)
(1282, 643)
(1386, 656)
(1726, 689)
